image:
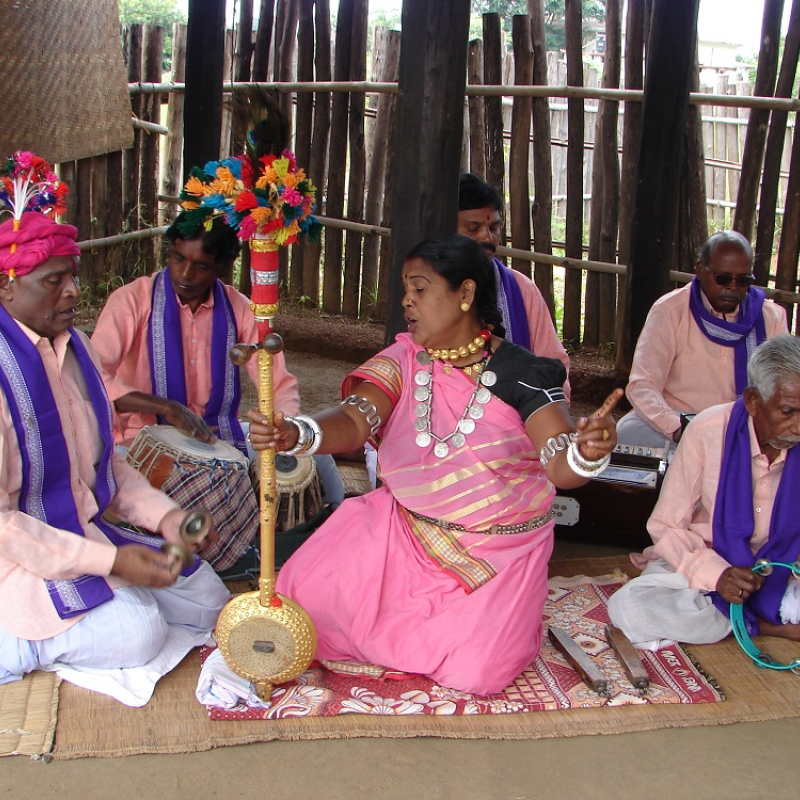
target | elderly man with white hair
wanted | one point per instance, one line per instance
(729, 499)
(693, 350)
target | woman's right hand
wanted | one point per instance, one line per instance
(281, 435)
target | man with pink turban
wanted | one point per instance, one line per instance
(77, 592)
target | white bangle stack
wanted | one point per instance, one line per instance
(581, 466)
(309, 436)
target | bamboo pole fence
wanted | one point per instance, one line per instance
(560, 148)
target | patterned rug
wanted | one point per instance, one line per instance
(576, 604)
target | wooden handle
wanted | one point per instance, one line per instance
(593, 677)
(629, 658)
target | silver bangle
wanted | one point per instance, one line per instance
(554, 443)
(581, 466)
(367, 409)
(303, 436)
(316, 436)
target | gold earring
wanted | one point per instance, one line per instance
(465, 307)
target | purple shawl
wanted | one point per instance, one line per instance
(511, 305)
(744, 335)
(734, 520)
(166, 359)
(46, 492)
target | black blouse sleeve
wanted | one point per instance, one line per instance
(525, 381)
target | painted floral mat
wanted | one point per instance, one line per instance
(577, 604)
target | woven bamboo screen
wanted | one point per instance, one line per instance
(65, 92)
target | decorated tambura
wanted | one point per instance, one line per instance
(198, 474)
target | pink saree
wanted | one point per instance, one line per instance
(387, 588)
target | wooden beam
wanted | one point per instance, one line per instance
(430, 113)
(670, 61)
(205, 50)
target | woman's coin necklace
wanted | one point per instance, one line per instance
(423, 394)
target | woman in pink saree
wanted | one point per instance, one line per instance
(442, 570)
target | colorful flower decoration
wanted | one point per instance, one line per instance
(28, 183)
(277, 199)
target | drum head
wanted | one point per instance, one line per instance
(193, 448)
(292, 471)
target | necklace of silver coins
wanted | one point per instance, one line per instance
(423, 394)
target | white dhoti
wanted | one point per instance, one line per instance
(635, 430)
(659, 608)
(128, 631)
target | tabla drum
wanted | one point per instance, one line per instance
(301, 509)
(199, 475)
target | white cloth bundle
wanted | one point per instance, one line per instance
(790, 605)
(220, 686)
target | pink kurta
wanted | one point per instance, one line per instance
(681, 523)
(676, 367)
(32, 551)
(121, 341)
(385, 588)
(544, 339)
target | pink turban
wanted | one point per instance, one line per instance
(38, 238)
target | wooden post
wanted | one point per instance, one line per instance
(765, 231)
(244, 42)
(573, 278)
(285, 42)
(631, 132)
(264, 40)
(173, 168)
(493, 106)
(609, 109)
(477, 125)
(205, 52)
(153, 45)
(130, 157)
(757, 124)
(384, 119)
(695, 168)
(114, 264)
(337, 161)
(317, 165)
(303, 127)
(430, 110)
(542, 210)
(789, 247)
(519, 154)
(356, 161)
(666, 97)
(83, 217)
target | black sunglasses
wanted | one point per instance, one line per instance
(726, 279)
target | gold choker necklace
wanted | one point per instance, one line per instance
(478, 343)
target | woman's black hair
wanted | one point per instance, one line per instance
(220, 242)
(457, 259)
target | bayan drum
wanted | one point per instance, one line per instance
(199, 475)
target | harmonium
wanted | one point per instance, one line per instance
(613, 508)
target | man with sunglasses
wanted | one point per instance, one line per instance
(694, 347)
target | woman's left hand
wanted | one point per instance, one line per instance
(597, 434)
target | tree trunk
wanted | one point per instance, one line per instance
(493, 106)
(477, 123)
(356, 163)
(770, 179)
(666, 99)
(433, 67)
(573, 278)
(519, 154)
(542, 210)
(757, 125)
(319, 140)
